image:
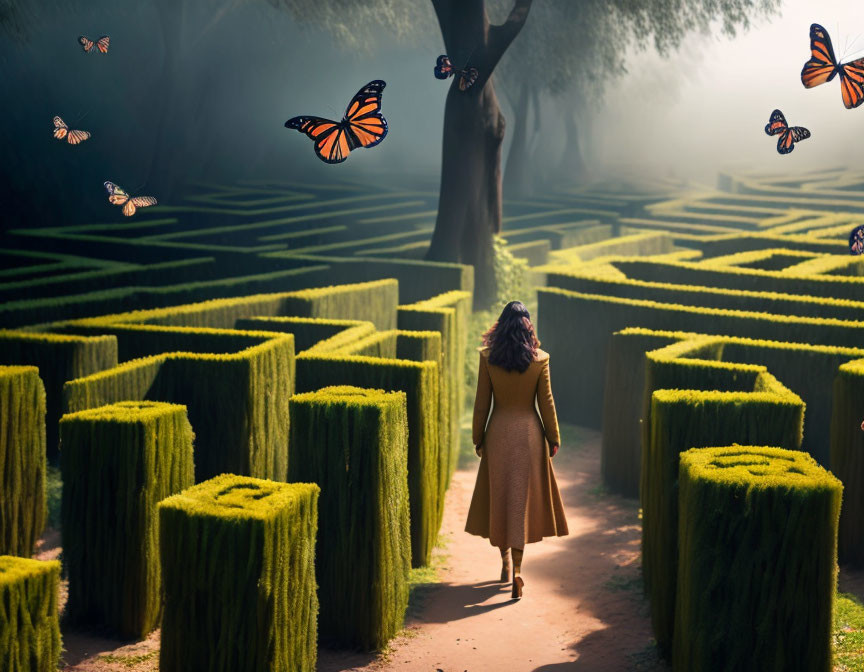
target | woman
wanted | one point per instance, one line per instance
(516, 499)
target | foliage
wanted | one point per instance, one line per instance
(29, 625)
(238, 570)
(847, 446)
(22, 459)
(757, 555)
(848, 635)
(121, 459)
(353, 443)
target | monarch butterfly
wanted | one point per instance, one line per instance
(101, 44)
(118, 196)
(362, 126)
(789, 135)
(444, 69)
(61, 130)
(856, 240)
(823, 67)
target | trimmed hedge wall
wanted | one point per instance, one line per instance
(588, 281)
(577, 328)
(22, 459)
(847, 458)
(353, 443)
(59, 358)
(682, 419)
(117, 463)
(807, 370)
(748, 279)
(238, 572)
(419, 381)
(237, 403)
(757, 561)
(307, 330)
(29, 626)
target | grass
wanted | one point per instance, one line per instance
(848, 637)
(53, 492)
(128, 661)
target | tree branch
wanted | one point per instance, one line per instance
(443, 10)
(502, 35)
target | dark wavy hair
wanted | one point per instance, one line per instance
(511, 340)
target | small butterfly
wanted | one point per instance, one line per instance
(118, 196)
(101, 44)
(823, 67)
(856, 240)
(362, 126)
(61, 130)
(444, 69)
(789, 135)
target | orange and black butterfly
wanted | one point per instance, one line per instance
(90, 46)
(61, 130)
(444, 69)
(823, 67)
(362, 126)
(789, 135)
(118, 196)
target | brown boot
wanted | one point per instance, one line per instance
(518, 583)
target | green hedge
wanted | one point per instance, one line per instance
(757, 561)
(447, 313)
(588, 281)
(578, 326)
(682, 419)
(419, 381)
(237, 403)
(847, 458)
(47, 310)
(807, 370)
(418, 280)
(748, 279)
(353, 443)
(117, 463)
(29, 626)
(59, 358)
(307, 330)
(22, 459)
(238, 573)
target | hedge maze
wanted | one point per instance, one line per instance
(296, 331)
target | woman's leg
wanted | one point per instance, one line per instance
(505, 564)
(517, 571)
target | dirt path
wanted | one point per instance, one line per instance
(582, 607)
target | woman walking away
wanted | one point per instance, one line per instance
(516, 499)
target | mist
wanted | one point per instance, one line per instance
(247, 67)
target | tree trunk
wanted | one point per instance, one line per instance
(517, 176)
(572, 167)
(469, 202)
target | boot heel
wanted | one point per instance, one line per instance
(517, 588)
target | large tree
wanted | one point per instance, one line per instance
(469, 202)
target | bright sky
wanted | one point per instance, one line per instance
(706, 108)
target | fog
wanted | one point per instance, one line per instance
(705, 109)
(244, 71)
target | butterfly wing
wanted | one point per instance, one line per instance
(60, 128)
(788, 138)
(443, 67)
(102, 44)
(852, 83)
(77, 137)
(776, 123)
(331, 140)
(469, 76)
(822, 65)
(85, 42)
(363, 116)
(132, 204)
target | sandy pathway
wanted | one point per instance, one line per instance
(582, 607)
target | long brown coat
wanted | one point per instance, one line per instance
(516, 499)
